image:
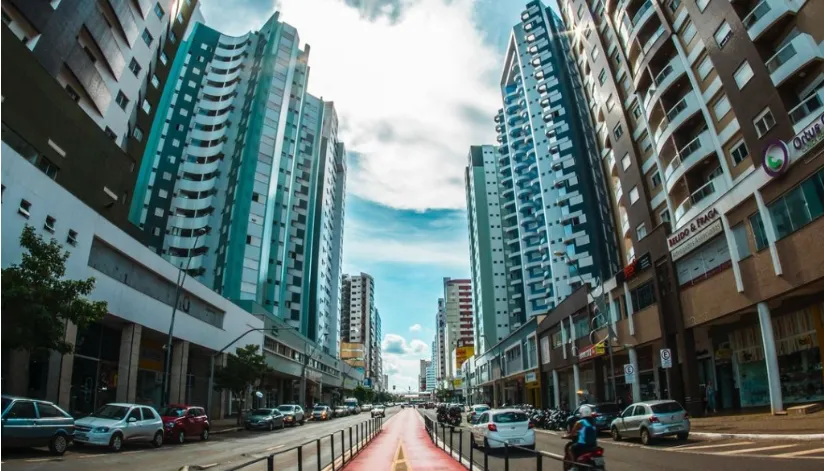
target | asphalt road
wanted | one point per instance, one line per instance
(671, 455)
(220, 452)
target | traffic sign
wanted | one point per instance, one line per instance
(629, 374)
(666, 358)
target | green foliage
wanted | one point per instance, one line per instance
(442, 394)
(360, 394)
(241, 372)
(38, 303)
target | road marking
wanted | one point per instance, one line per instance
(274, 447)
(690, 446)
(40, 460)
(752, 450)
(800, 453)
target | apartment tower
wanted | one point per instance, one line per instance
(359, 321)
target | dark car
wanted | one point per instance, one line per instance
(603, 415)
(181, 421)
(292, 414)
(321, 413)
(265, 418)
(31, 422)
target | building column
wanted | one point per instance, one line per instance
(59, 382)
(223, 397)
(556, 388)
(576, 377)
(769, 230)
(630, 311)
(18, 376)
(770, 358)
(636, 385)
(178, 371)
(128, 363)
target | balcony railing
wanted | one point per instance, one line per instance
(756, 14)
(712, 187)
(793, 57)
(802, 115)
(651, 41)
(781, 57)
(644, 8)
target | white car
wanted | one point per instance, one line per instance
(366, 407)
(115, 424)
(497, 427)
(378, 411)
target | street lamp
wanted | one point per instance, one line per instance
(181, 278)
(602, 308)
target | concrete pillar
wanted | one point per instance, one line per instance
(59, 382)
(769, 230)
(576, 376)
(770, 358)
(556, 388)
(636, 386)
(179, 370)
(630, 310)
(129, 360)
(220, 409)
(16, 380)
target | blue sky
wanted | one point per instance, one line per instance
(415, 83)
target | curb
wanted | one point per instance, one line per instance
(809, 437)
(226, 430)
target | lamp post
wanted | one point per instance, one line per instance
(602, 308)
(181, 278)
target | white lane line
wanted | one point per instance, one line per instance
(274, 447)
(801, 453)
(690, 446)
(753, 450)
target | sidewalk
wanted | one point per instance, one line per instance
(226, 425)
(760, 422)
(403, 445)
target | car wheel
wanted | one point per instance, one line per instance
(645, 438)
(302, 421)
(271, 426)
(58, 444)
(116, 442)
(157, 441)
(615, 435)
(486, 446)
(248, 428)
(181, 437)
(282, 426)
(683, 436)
(204, 435)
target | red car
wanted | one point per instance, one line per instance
(181, 421)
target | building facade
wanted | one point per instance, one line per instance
(490, 296)
(439, 353)
(360, 322)
(458, 331)
(242, 183)
(555, 212)
(708, 117)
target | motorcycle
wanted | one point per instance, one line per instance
(591, 460)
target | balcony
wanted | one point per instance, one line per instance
(651, 41)
(619, 192)
(661, 83)
(640, 19)
(625, 226)
(700, 199)
(807, 111)
(675, 117)
(793, 57)
(687, 157)
(766, 14)
(611, 162)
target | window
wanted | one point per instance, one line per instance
(594, 53)
(721, 107)
(580, 11)
(163, 58)
(636, 111)
(705, 67)
(21, 410)
(158, 212)
(664, 215)
(656, 179)
(159, 10)
(610, 102)
(147, 38)
(180, 17)
(673, 5)
(758, 231)
(155, 81)
(764, 122)
(72, 93)
(633, 195)
(742, 245)
(110, 133)
(24, 208)
(643, 296)
(702, 5)
(689, 32)
(626, 161)
(798, 207)
(618, 131)
(172, 37)
(743, 74)
(616, 56)
(602, 77)
(135, 67)
(739, 152)
(641, 231)
(162, 194)
(146, 106)
(138, 133)
(72, 237)
(48, 411)
(167, 176)
(723, 34)
(121, 100)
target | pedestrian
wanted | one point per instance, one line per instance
(710, 392)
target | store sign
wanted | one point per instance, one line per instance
(530, 377)
(778, 154)
(694, 227)
(592, 351)
(697, 240)
(637, 266)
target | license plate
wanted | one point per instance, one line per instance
(81, 436)
(515, 440)
(598, 461)
(675, 428)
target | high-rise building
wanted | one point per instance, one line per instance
(704, 111)
(424, 366)
(490, 294)
(458, 321)
(439, 353)
(430, 382)
(553, 203)
(360, 321)
(242, 183)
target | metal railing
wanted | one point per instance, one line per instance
(356, 437)
(478, 457)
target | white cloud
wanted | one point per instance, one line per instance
(401, 361)
(415, 328)
(412, 94)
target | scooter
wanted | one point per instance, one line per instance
(592, 460)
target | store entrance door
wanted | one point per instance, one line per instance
(726, 386)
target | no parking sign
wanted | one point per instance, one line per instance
(629, 374)
(666, 358)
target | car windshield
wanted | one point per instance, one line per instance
(320, 409)
(111, 412)
(608, 409)
(262, 412)
(481, 409)
(286, 408)
(174, 412)
(6, 403)
(509, 417)
(666, 408)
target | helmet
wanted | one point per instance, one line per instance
(586, 411)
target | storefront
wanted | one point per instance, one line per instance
(533, 389)
(94, 370)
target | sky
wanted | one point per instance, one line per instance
(415, 83)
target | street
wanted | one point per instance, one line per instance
(220, 452)
(691, 455)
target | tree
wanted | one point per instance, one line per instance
(360, 394)
(241, 372)
(38, 303)
(442, 394)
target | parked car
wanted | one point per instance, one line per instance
(475, 411)
(321, 413)
(366, 407)
(495, 427)
(264, 418)
(31, 422)
(602, 414)
(378, 411)
(115, 424)
(181, 421)
(341, 411)
(292, 414)
(650, 420)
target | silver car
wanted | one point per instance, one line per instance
(115, 424)
(650, 420)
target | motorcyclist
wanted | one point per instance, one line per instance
(455, 413)
(583, 434)
(441, 412)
